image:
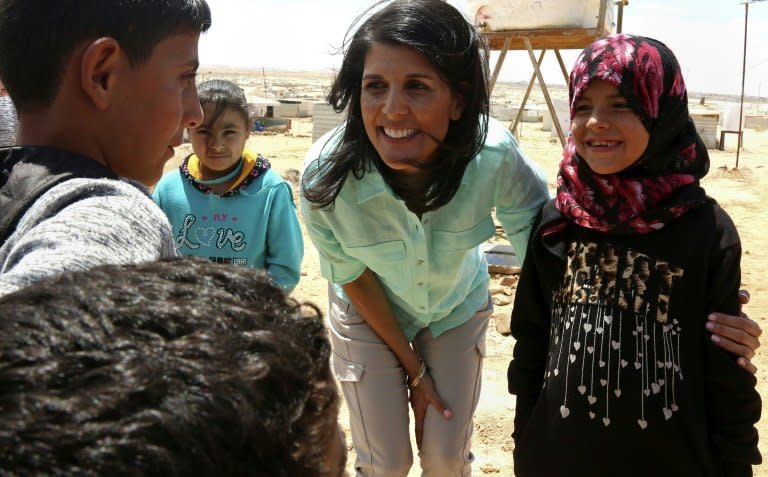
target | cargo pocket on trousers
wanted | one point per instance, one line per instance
(345, 370)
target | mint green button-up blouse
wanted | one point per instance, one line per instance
(432, 269)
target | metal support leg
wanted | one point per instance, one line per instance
(519, 116)
(500, 62)
(562, 66)
(555, 121)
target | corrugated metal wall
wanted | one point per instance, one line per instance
(324, 118)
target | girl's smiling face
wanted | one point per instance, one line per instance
(608, 134)
(406, 106)
(219, 146)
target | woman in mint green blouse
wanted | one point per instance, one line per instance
(398, 201)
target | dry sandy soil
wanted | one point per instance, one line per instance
(740, 191)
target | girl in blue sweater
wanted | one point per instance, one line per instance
(224, 202)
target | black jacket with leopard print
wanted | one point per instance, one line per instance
(614, 371)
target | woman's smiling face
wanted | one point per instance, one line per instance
(406, 106)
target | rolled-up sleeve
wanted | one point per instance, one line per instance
(335, 265)
(521, 191)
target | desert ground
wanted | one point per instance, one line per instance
(742, 191)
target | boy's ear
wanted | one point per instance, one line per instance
(100, 66)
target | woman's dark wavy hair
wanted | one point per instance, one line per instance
(458, 53)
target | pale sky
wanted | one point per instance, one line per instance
(707, 37)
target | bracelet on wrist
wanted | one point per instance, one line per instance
(419, 376)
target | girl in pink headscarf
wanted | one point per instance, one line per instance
(614, 371)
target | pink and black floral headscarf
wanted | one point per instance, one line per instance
(663, 183)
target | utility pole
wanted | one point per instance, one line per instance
(743, 78)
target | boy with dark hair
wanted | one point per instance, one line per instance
(103, 90)
(170, 368)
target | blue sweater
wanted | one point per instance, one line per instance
(256, 227)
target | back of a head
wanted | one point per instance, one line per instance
(50, 30)
(179, 367)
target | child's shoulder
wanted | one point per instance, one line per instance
(274, 180)
(721, 216)
(169, 180)
(722, 223)
(272, 175)
(259, 165)
(268, 179)
(708, 219)
(113, 197)
(547, 217)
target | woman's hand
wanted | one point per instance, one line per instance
(421, 397)
(737, 334)
(369, 299)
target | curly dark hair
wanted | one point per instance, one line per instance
(458, 53)
(170, 368)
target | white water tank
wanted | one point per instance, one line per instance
(504, 15)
